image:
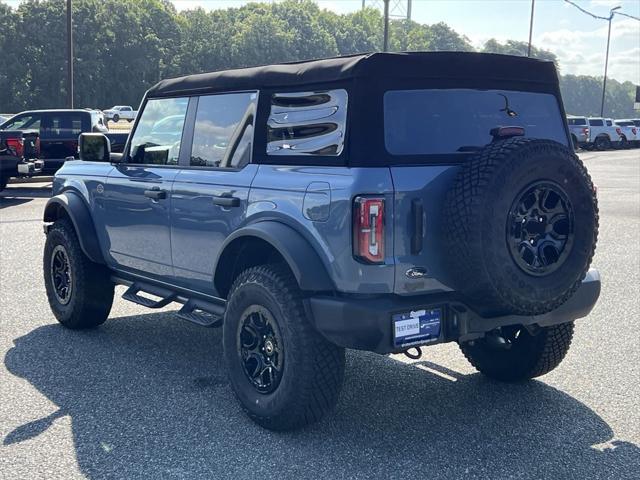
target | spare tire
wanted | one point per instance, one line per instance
(521, 224)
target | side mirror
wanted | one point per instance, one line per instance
(94, 147)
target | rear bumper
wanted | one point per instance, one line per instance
(365, 324)
(15, 167)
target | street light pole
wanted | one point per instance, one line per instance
(69, 56)
(533, 5)
(606, 59)
(386, 26)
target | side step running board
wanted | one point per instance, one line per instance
(202, 312)
(167, 296)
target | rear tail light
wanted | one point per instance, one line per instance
(634, 130)
(17, 145)
(618, 130)
(368, 229)
(585, 131)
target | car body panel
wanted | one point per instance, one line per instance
(199, 227)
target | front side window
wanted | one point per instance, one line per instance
(307, 123)
(223, 130)
(157, 138)
(425, 122)
(23, 122)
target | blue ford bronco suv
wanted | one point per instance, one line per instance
(380, 202)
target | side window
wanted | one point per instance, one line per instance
(156, 140)
(609, 123)
(307, 123)
(63, 125)
(24, 122)
(223, 130)
(596, 123)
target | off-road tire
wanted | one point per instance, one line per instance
(530, 356)
(623, 143)
(313, 367)
(3, 182)
(574, 141)
(91, 293)
(602, 143)
(476, 212)
(116, 118)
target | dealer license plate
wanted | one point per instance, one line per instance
(416, 327)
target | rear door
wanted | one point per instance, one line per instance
(437, 130)
(137, 196)
(210, 193)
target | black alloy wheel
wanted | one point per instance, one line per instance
(260, 347)
(61, 274)
(540, 228)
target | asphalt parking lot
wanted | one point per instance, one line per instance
(146, 396)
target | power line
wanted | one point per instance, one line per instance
(586, 11)
(627, 15)
(598, 16)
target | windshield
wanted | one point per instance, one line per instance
(423, 122)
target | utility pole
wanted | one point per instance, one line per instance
(69, 56)
(533, 5)
(386, 26)
(606, 59)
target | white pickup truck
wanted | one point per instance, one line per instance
(124, 112)
(630, 132)
(603, 133)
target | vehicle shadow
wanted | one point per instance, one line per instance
(148, 398)
(15, 195)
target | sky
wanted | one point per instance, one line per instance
(578, 40)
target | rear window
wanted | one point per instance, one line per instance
(576, 121)
(423, 122)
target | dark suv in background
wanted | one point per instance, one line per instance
(381, 202)
(59, 130)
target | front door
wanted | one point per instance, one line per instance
(210, 194)
(138, 192)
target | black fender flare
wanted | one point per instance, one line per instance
(302, 258)
(76, 209)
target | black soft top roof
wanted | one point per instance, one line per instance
(414, 65)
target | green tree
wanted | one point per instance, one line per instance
(122, 47)
(515, 47)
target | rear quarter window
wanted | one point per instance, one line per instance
(424, 122)
(576, 121)
(307, 123)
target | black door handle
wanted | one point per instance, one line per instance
(226, 201)
(155, 194)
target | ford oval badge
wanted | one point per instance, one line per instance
(416, 272)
